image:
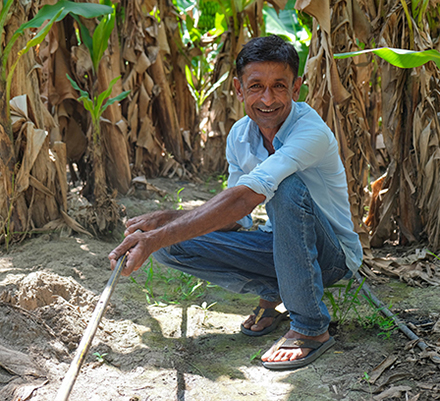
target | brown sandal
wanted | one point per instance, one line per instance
(317, 348)
(260, 313)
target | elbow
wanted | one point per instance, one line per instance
(251, 199)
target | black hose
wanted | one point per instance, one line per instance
(402, 326)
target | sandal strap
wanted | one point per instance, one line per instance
(296, 343)
(261, 312)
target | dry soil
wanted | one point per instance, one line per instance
(167, 336)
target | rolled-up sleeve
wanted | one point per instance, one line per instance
(235, 172)
(301, 151)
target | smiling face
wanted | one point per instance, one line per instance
(267, 89)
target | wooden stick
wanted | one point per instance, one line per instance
(86, 341)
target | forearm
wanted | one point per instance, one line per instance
(163, 217)
(219, 213)
(167, 216)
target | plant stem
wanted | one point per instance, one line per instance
(98, 170)
(410, 26)
(8, 219)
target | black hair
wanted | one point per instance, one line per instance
(268, 48)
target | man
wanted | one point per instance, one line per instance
(282, 155)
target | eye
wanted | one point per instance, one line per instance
(255, 86)
(280, 85)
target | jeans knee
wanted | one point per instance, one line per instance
(291, 193)
(162, 255)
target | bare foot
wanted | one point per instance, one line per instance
(249, 323)
(290, 354)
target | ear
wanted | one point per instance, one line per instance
(238, 89)
(296, 89)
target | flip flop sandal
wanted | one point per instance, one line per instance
(260, 313)
(317, 347)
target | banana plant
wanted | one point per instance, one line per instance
(97, 44)
(96, 106)
(53, 13)
(202, 91)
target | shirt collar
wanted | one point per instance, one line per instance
(252, 133)
(284, 130)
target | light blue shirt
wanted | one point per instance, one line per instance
(304, 145)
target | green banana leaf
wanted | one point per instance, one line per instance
(99, 108)
(184, 5)
(101, 36)
(285, 23)
(85, 34)
(85, 97)
(98, 43)
(214, 87)
(117, 98)
(4, 12)
(60, 9)
(87, 10)
(399, 57)
(39, 37)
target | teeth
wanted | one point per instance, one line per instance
(267, 111)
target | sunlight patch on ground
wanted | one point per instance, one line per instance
(189, 205)
(6, 265)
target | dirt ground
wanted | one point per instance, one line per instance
(167, 336)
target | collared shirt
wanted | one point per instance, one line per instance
(304, 145)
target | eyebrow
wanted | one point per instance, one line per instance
(254, 80)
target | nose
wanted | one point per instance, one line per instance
(267, 97)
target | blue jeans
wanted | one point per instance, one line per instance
(293, 263)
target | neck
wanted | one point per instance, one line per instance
(267, 142)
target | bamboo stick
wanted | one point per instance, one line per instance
(86, 341)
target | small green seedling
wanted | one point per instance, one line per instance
(256, 355)
(223, 180)
(179, 286)
(205, 307)
(366, 378)
(386, 324)
(100, 357)
(433, 254)
(176, 200)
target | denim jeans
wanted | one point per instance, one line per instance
(293, 263)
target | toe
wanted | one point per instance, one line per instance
(257, 327)
(249, 322)
(262, 324)
(266, 357)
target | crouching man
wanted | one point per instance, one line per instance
(284, 156)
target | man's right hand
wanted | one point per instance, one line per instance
(138, 248)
